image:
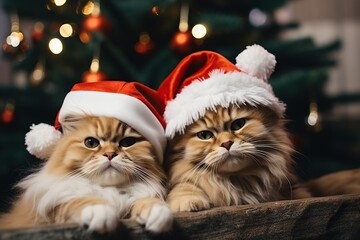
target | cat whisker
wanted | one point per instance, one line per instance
(199, 170)
(193, 174)
(290, 187)
(127, 168)
(146, 176)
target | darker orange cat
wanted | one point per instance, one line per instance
(231, 156)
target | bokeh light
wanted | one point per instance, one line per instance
(199, 31)
(66, 30)
(257, 17)
(88, 8)
(59, 2)
(55, 46)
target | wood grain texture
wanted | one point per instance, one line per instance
(336, 217)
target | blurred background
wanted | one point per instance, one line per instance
(49, 45)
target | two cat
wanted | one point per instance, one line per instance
(232, 149)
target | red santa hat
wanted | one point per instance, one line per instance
(205, 79)
(131, 102)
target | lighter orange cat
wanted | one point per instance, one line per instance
(233, 155)
(100, 171)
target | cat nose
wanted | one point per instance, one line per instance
(227, 144)
(110, 155)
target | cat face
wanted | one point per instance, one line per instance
(105, 150)
(231, 140)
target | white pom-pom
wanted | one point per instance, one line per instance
(41, 140)
(256, 61)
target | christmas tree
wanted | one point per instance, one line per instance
(141, 40)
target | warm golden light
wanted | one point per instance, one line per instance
(59, 2)
(199, 31)
(38, 74)
(95, 65)
(13, 40)
(184, 17)
(313, 117)
(88, 8)
(183, 26)
(66, 30)
(55, 46)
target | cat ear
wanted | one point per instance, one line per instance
(41, 140)
(256, 62)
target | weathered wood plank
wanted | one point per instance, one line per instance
(336, 217)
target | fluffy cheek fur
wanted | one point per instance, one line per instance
(129, 164)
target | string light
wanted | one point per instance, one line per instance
(66, 30)
(313, 117)
(96, 9)
(59, 2)
(38, 74)
(184, 17)
(94, 74)
(94, 23)
(199, 31)
(55, 46)
(15, 45)
(15, 37)
(95, 65)
(88, 8)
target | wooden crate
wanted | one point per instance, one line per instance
(335, 217)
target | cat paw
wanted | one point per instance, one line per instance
(99, 218)
(156, 218)
(189, 204)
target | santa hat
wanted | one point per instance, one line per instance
(205, 79)
(133, 103)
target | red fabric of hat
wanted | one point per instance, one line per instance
(196, 66)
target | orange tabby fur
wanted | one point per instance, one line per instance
(94, 186)
(337, 183)
(258, 166)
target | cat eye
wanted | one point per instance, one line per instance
(204, 135)
(127, 142)
(91, 142)
(237, 124)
